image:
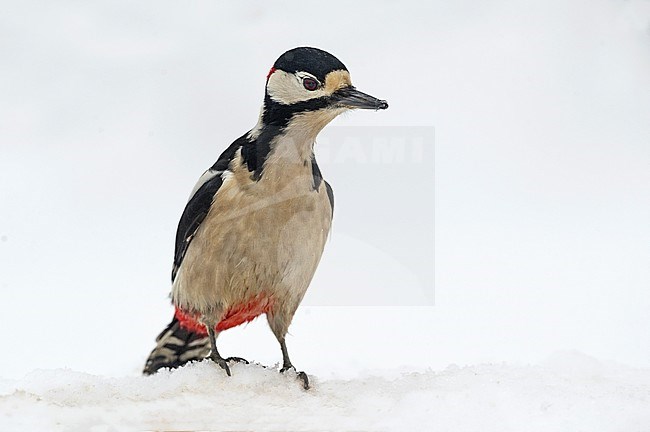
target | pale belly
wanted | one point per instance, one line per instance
(255, 252)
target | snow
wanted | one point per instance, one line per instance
(569, 392)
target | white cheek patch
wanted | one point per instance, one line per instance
(286, 88)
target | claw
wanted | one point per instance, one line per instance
(237, 359)
(286, 368)
(221, 362)
(302, 376)
(305, 381)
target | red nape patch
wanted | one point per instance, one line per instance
(190, 322)
(245, 312)
(270, 73)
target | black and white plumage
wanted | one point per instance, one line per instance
(253, 231)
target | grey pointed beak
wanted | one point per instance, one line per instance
(349, 97)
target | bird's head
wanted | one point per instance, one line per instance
(311, 86)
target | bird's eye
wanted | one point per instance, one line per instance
(310, 84)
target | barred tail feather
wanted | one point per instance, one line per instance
(176, 346)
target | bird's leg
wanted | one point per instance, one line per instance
(216, 357)
(279, 326)
(214, 354)
(286, 364)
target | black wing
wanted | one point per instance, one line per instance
(330, 195)
(195, 212)
(199, 204)
(317, 178)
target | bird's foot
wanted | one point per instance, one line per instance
(221, 362)
(300, 375)
(224, 362)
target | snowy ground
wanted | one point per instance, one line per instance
(570, 392)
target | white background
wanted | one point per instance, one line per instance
(110, 111)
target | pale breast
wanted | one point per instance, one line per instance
(260, 238)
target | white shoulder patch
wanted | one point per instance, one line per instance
(225, 175)
(254, 133)
(206, 177)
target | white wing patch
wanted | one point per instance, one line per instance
(205, 177)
